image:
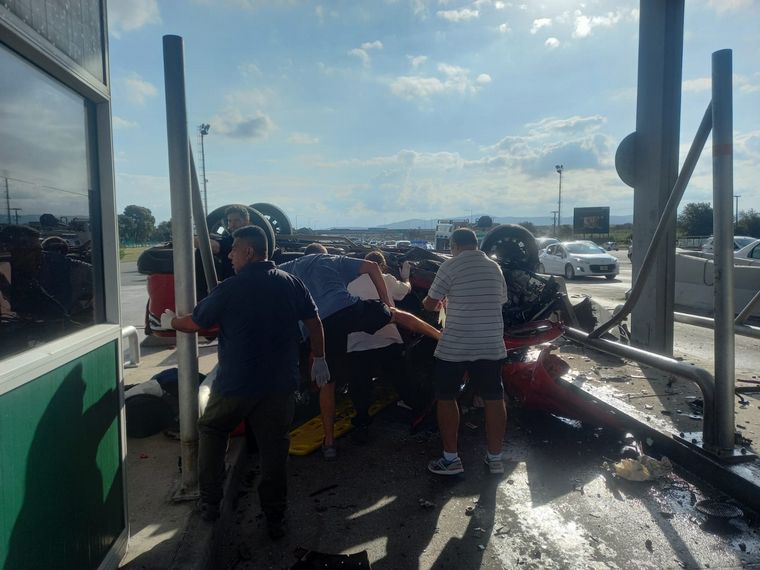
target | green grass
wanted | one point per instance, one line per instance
(132, 253)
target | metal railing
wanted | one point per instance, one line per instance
(133, 347)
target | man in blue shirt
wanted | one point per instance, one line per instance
(327, 278)
(257, 311)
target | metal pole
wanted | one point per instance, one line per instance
(204, 241)
(8, 200)
(204, 132)
(723, 190)
(708, 323)
(665, 225)
(736, 209)
(559, 169)
(747, 310)
(184, 266)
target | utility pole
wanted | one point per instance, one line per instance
(15, 211)
(203, 130)
(559, 168)
(7, 200)
(554, 222)
(736, 211)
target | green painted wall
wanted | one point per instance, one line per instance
(61, 487)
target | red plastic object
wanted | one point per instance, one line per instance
(160, 298)
(532, 333)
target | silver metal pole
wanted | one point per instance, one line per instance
(204, 241)
(723, 229)
(708, 323)
(666, 364)
(665, 225)
(184, 265)
(747, 310)
(203, 166)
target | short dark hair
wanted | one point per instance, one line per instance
(255, 237)
(314, 248)
(464, 237)
(238, 209)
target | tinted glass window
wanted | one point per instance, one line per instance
(46, 274)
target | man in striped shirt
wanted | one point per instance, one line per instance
(474, 291)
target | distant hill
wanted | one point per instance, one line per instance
(536, 221)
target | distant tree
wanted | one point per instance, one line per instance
(749, 224)
(529, 226)
(126, 228)
(696, 219)
(163, 232)
(565, 231)
(484, 222)
(142, 225)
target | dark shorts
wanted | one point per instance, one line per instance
(362, 316)
(484, 376)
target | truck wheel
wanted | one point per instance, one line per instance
(276, 217)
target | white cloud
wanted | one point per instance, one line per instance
(504, 28)
(584, 24)
(303, 138)
(539, 23)
(462, 15)
(137, 89)
(417, 60)
(722, 6)
(132, 15)
(119, 123)
(742, 84)
(551, 43)
(319, 11)
(236, 124)
(362, 52)
(249, 70)
(452, 78)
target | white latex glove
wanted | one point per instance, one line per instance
(319, 371)
(166, 319)
(406, 269)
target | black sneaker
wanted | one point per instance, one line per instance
(208, 511)
(360, 435)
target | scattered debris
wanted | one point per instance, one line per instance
(648, 544)
(481, 547)
(311, 559)
(648, 406)
(718, 509)
(471, 425)
(323, 490)
(644, 468)
(469, 511)
(425, 504)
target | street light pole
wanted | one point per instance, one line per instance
(736, 212)
(559, 168)
(203, 130)
(554, 222)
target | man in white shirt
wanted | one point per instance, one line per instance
(472, 342)
(379, 352)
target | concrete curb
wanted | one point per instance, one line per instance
(741, 481)
(200, 542)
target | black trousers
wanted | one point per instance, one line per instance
(386, 363)
(270, 418)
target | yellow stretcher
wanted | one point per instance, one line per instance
(307, 437)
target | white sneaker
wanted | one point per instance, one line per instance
(495, 466)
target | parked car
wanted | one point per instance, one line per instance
(577, 259)
(544, 242)
(610, 245)
(739, 242)
(749, 253)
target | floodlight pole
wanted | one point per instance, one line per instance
(203, 130)
(559, 168)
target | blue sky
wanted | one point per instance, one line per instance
(364, 112)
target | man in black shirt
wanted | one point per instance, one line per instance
(258, 311)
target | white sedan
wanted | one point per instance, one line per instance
(577, 259)
(749, 253)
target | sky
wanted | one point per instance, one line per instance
(367, 112)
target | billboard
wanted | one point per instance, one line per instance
(591, 220)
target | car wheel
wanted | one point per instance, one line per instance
(541, 268)
(513, 246)
(610, 277)
(216, 219)
(569, 272)
(279, 220)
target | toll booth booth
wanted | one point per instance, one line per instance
(62, 442)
